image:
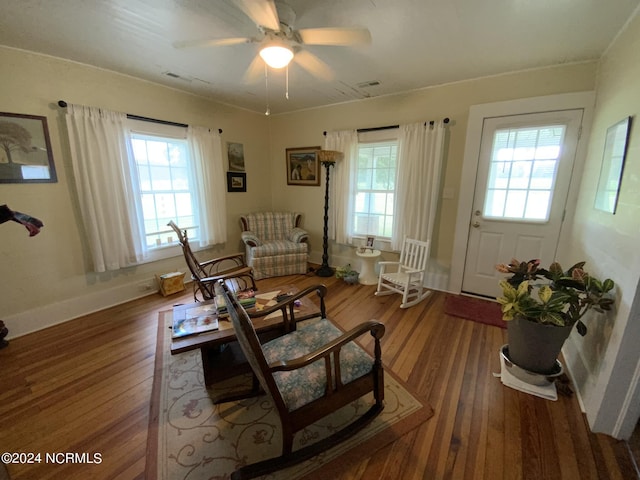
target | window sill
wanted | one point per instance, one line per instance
(161, 253)
(172, 250)
(381, 243)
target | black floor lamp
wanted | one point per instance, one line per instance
(328, 158)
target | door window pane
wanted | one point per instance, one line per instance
(522, 172)
(538, 204)
(515, 203)
(543, 175)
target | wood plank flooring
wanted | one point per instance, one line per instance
(85, 387)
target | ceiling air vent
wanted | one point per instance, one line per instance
(371, 83)
(178, 76)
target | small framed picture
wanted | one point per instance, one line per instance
(26, 156)
(236, 182)
(370, 241)
(303, 167)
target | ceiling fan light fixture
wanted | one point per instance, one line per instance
(276, 56)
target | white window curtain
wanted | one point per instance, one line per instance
(100, 162)
(341, 192)
(420, 152)
(205, 149)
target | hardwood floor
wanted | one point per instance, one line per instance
(85, 387)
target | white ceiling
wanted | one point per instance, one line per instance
(416, 43)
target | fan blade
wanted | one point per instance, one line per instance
(255, 72)
(262, 12)
(314, 65)
(212, 42)
(335, 36)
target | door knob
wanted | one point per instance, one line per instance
(475, 224)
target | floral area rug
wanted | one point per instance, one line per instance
(192, 438)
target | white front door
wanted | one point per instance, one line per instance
(524, 171)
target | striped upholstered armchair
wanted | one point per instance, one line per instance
(275, 243)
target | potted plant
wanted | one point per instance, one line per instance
(541, 314)
(347, 274)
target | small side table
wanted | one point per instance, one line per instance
(367, 271)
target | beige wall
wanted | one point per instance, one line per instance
(306, 129)
(45, 279)
(605, 361)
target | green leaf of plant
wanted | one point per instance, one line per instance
(523, 289)
(579, 265)
(507, 288)
(607, 285)
(555, 318)
(545, 293)
(594, 283)
(555, 269)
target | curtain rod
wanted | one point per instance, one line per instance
(63, 104)
(389, 127)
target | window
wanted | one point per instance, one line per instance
(134, 176)
(375, 189)
(522, 172)
(165, 185)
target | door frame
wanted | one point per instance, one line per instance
(477, 114)
(479, 276)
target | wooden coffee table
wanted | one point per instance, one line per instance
(222, 357)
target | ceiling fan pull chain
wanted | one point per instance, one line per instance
(286, 93)
(266, 86)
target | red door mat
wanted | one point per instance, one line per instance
(475, 309)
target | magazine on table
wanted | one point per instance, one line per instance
(201, 318)
(246, 298)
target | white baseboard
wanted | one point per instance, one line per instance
(39, 318)
(42, 317)
(437, 277)
(575, 369)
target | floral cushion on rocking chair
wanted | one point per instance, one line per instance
(301, 386)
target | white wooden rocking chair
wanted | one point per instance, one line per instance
(407, 278)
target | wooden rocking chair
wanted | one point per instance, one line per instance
(205, 274)
(310, 372)
(406, 276)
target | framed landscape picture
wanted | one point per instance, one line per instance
(236, 182)
(25, 149)
(303, 167)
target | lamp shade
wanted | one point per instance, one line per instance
(329, 156)
(276, 56)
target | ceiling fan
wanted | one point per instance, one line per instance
(280, 43)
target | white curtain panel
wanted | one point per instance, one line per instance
(205, 149)
(420, 152)
(98, 143)
(341, 200)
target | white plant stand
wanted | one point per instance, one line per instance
(368, 269)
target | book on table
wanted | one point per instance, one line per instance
(197, 319)
(246, 298)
